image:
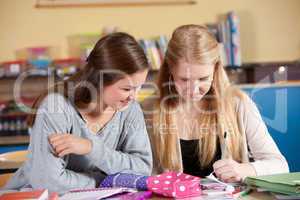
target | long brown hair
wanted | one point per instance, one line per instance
(195, 44)
(116, 52)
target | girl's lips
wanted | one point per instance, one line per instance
(125, 102)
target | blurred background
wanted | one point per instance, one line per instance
(45, 41)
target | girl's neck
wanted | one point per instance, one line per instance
(95, 110)
(190, 107)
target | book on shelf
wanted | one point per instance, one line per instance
(234, 27)
(155, 49)
(227, 33)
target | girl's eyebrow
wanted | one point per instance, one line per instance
(201, 78)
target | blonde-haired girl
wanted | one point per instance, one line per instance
(199, 123)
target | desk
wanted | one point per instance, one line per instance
(10, 162)
(258, 196)
(9, 167)
(251, 196)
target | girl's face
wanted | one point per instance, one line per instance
(119, 94)
(192, 81)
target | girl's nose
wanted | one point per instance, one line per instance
(132, 97)
(195, 88)
(133, 94)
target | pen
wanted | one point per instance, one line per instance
(224, 148)
(245, 192)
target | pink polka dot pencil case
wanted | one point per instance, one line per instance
(173, 184)
(170, 184)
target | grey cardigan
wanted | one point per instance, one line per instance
(122, 145)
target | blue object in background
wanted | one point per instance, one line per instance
(4, 149)
(40, 63)
(280, 109)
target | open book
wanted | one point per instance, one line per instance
(97, 193)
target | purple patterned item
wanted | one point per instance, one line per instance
(138, 182)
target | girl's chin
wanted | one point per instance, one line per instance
(192, 98)
(197, 98)
(122, 106)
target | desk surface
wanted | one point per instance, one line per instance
(10, 164)
(259, 196)
(251, 196)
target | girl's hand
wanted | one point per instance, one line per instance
(64, 144)
(229, 170)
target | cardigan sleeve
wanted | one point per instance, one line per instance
(267, 157)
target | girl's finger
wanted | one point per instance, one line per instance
(57, 142)
(233, 179)
(65, 152)
(62, 147)
(55, 137)
(227, 175)
(223, 169)
(220, 163)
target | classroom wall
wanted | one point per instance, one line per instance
(270, 29)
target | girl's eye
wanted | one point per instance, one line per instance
(202, 79)
(126, 89)
(184, 79)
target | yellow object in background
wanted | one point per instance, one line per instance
(143, 94)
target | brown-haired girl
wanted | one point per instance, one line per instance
(90, 125)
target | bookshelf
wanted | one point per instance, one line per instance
(30, 79)
(226, 30)
(248, 73)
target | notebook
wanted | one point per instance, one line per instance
(143, 195)
(287, 183)
(227, 187)
(94, 194)
(212, 188)
(32, 195)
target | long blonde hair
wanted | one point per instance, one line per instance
(195, 44)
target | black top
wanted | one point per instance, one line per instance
(190, 158)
